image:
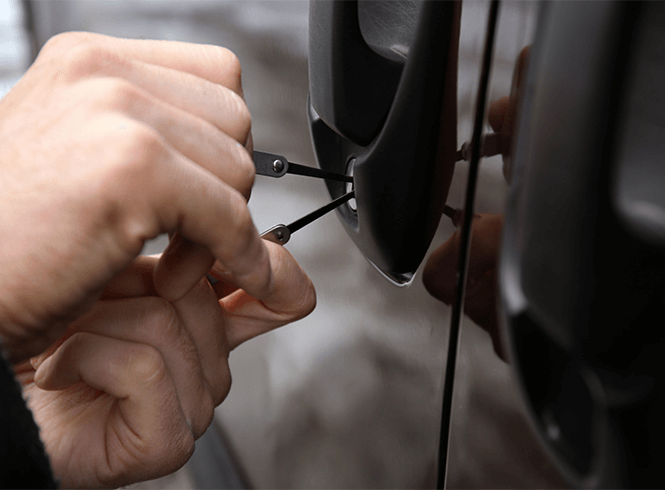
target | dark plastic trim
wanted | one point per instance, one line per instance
(402, 174)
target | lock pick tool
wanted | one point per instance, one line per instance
(282, 233)
(272, 165)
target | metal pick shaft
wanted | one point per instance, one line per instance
(314, 215)
(281, 234)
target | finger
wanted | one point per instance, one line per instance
(200, 314)
(183, 262)
(221, 287)
(210, 74)
(440, 277)
(193, 136)
(134, 281)
(497, 113)
(186, 262)
(147, 430)
(214, 103)
(520, 69)
(158, 190)
(510, 118)
(203, 317)
(154, 322)
(218, 105)
(137, 281)
(214, 63)
(505, 107)
(291, 297)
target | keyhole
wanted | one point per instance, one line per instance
(349, 185)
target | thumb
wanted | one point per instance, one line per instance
(145, 434)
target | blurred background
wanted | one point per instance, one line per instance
(350, 396)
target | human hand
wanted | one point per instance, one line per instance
(440, 274)
(107, 143)
(502, 114)
(124, 393)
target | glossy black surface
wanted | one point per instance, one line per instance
(401, 172)
(582, 289)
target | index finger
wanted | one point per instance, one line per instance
(213, 63)
(219, 221)
(171, 193)
(291, 297)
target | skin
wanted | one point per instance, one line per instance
(439, 275)
(107, 143)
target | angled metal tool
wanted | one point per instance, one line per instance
(272, 165)
(282, 233)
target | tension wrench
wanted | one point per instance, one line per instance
(282, 233)
(272, 165)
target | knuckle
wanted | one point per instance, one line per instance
(222, 383)
(205, 412)
(218, 65)
(241, 117)
(64, 41)
(75, 342)
(132, 161)
(146, 365)
(136, 152)
(246, 171)
(161, 320)
(241, 219)
(82, 60)
(231, 63)
(232, 70)
(183, 448)
(140, 148)
(116, 94)
(130, 144)
(225, 66)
